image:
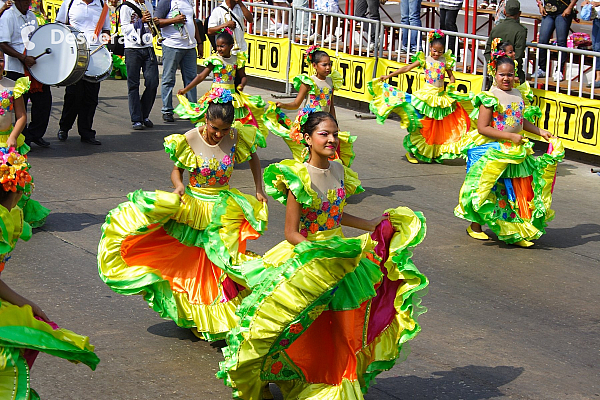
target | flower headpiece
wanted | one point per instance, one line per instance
(310, 51)
(14, 173)
(492, 65)
(436, 34)
(495, 44)
(219, 95)
(296, 132)
(228, 30)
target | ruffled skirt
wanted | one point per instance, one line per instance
(248, 110)
(326, 316)
(33, 212)
(173, 253)
(508, 188)
(280, 124)
(22, 336)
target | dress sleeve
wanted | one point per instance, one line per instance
(289, 175)
(242, 59)
(486, 99)
(246, 142)
(307, 80)
(530, 113)
(21, 87)
(351, 182)
(337, 79)
(420, 57)
(179, 151)
(450, 59)
(212, 60)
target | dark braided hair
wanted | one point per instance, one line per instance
(441, 41)
(225, 36)
(318, 55)
(313, 120)
(223, 111)
(504, 60)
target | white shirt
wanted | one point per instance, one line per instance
(15, 29)
(84, 18)
(218, 17)
(130, 33)
(175, 38)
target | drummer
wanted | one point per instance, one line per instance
(16, 23)
(81, 98)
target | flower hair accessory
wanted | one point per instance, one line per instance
(492, 65)
(220, 95)
(14, 173)
(227, 29)
(310, 51)
(436, 34)
(495, 43)
(296, 132)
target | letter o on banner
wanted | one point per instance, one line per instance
(587, 125)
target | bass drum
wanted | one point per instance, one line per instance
(100, 65)
(67, 55)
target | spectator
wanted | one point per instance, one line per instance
(331, 6)
(556, 14)
(411, 15)
(448, 13)
(596, 39)
(230, 14)
(510, 30)
(368, 9)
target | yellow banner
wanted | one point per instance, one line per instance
(267, 57)
(52, 7)
(356, 71)
(575, 120)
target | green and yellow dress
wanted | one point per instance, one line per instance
(442, 121)
(319, 97)
(22, 335)
(506, 186)
(248, 109)
(34, 213)
(173, 251)
(329, 314)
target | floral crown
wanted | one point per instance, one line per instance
(226, 29)
(495, 44)
(14, 173)
(436, 34)
(493, 64)
(296, 131)
(219, 95)
(310, 52)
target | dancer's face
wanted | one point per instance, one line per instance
(324, 139)
(436, 50)
(505, 76)
(224, 48)
(216, 130)
(323, 67)
(510, 51)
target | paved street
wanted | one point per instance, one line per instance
(503, 322)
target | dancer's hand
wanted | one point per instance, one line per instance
(545, 134)
(384, 78)
(37, 311)
(376, 221)
(181, 92)
(180, 190)
(517, 139)
(11, 142)
(261, 196)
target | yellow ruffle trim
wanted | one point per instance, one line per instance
(434, 97)
(21, 87)
(433, 151)
(11, 228)
(4, 135)
(197, 212)
(347, 390)
(337, 79)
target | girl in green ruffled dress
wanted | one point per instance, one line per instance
(316, 93)
(326, 313)
(442, 120)
(225, 66)
(12, 108)
(25, 329)
(506, 187)
(173, 248)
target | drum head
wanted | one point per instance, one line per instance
(100, 62)
(64, 58)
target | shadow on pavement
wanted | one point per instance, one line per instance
(468, 383)
(169, 329)
(570, 237)
(71, 222)
(380, 191)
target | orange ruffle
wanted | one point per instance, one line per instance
(524, 193)
(446, 130)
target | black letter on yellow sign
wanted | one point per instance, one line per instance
(274, 58)
(569, 111)
(588, 124)
(410, 79)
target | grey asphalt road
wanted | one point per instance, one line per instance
(503, 322)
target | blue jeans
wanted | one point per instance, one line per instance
(186, 60)
(596, 40)
(301, 17)
(562, 25)
(411, 15)
(145, 60)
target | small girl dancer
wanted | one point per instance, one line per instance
(172, 247)
(25, 330)
(443, 121)
(225, 66)
(316, 93)
(509, 50)
(327, 313)
(12, 108)
(506, 187)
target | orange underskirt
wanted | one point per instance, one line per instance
(447, 130)
(524, 195)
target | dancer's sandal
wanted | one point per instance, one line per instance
(477, 235)
(411, 159)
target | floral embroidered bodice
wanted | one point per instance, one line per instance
(225, 74)
(509, 116)
(324, 95)
(6, 103)
(325, 214)
(215, 164)
(435, 71)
